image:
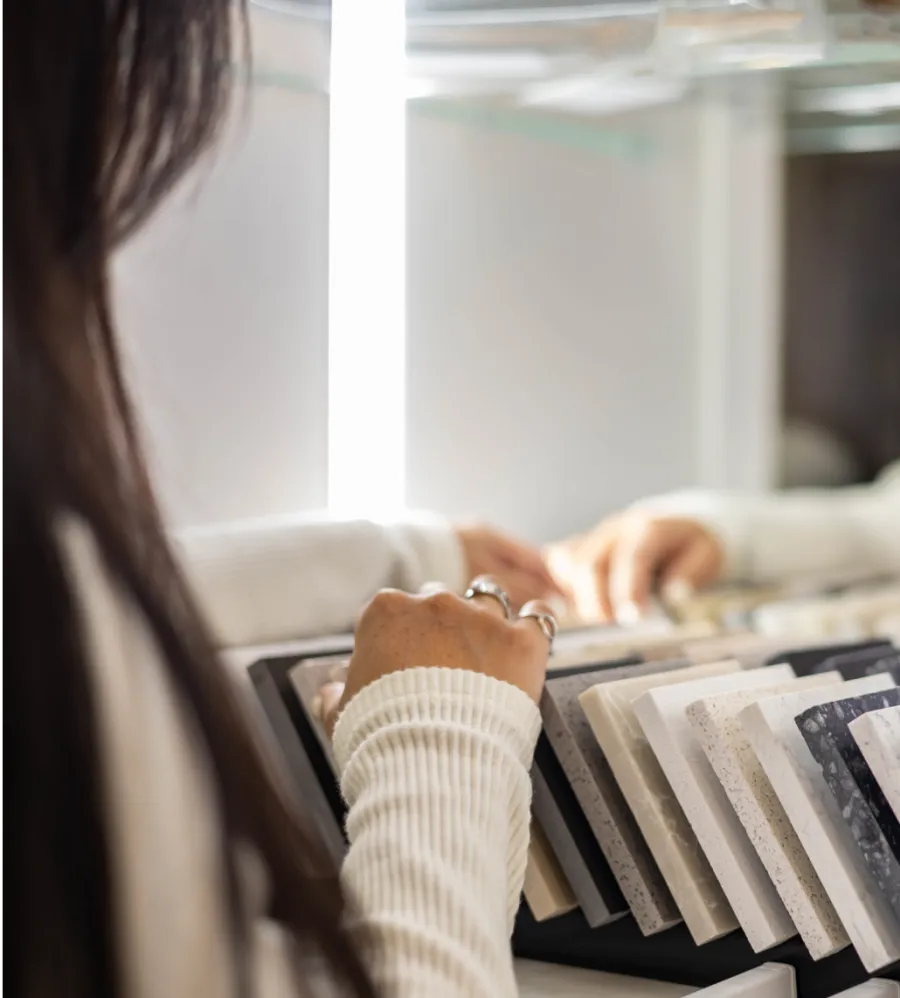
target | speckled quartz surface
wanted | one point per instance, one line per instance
(811, 808)
(741, 875)
(771, 980)
(877, 735)
(601, 800)
(656, 810)
(788, 870)
(872, 823)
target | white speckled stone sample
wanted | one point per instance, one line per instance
(601, 800)
(666, 830)
(745, 883)
(877, 734)
(876, 988)
(811, 808)
(771, 980)
(825, 728)
(717, 727)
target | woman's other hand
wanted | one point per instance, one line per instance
(518, 569)
(611, 572)
(398, 631)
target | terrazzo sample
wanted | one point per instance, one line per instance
(872, 823)
(556, 811)
(716, 725)
(771, 980)
(546, 890)
(811, 808)
(877, 736)
(661, 713)
(666, 830)
(592, 781)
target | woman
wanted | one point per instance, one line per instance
(679, 543)
(153, 850)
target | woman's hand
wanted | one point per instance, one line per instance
(398, 631)
(612, 571)
(515, 567)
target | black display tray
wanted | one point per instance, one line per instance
(618, 948)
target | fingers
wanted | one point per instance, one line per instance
(327, 705)
(692, 568)
(530, 567)
(522, 586)
(601, 572)
(636, 559)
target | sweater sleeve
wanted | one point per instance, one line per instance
(780, 536)
(435, 771)
(277, 580)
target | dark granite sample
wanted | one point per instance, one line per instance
(597, 792)
(857, 664)
(875, 829)
(811, 658)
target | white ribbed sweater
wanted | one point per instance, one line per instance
(435, 772)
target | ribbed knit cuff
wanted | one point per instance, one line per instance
(440, 698)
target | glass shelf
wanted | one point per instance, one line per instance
(551, 69)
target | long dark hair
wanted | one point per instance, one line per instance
(106, 104)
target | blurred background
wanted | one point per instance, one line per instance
(529, 261)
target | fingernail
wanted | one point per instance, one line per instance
(628, 614)
(316, 707)
(677, 591)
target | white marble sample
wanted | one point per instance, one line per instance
(666, 830)
(745, 883)
(716, 725)
(876, 988)
(771, 980)
(877, 734)
(811, 808)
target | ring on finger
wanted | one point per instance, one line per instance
(544, 619)
(483, 586)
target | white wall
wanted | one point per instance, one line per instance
(223, 308)
(551, 321)
(553, 329)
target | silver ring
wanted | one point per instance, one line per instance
(546, 621)
(484, 587)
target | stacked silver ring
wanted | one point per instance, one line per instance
(546, 621)
(485, 587)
